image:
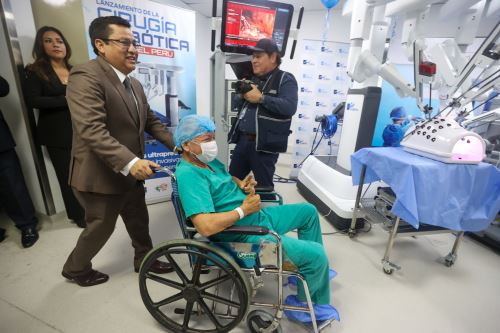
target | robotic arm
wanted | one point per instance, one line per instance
(454, 69)
(367, 65)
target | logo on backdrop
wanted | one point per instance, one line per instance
(307, 76)
(326, 49)
(310, 48)
(304, 103)
(305, 90)
(308, 62)
(158, 36)
(325, 63)
(338, 92)
(323, 91)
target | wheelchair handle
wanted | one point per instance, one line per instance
(247, 230)
(163, 169)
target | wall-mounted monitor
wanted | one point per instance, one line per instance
(245, 22)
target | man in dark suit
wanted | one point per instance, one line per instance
(14, 195)
(110, 114)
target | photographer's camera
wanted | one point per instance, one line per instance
(242, 86)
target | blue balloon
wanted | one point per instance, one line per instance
(330, 3)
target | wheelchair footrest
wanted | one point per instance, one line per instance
(309, 326)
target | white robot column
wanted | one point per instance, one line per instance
(172, 99)
(369, 28)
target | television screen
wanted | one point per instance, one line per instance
(244, 22)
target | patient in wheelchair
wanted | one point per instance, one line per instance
(214, 200)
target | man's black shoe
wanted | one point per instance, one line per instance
(29, 236)
(92, 278)
(2, 234)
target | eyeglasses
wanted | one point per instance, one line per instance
(124, 42)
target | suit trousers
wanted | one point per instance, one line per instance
(61, 157)
(101, 213)
(14, 195)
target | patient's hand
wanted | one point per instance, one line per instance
(251, 204)
(248, 185)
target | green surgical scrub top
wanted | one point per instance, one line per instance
(204, 191)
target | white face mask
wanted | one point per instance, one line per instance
(208, 151)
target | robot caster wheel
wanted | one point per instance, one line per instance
(388, 271)
(450, 259)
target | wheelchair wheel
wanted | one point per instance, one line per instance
(258, 319)
(187, 300)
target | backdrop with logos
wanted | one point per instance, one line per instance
(323, 84)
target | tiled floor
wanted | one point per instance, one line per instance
(425, 296)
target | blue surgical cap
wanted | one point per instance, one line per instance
(192, 126)
(398, 112)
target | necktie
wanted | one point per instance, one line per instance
(128, 88)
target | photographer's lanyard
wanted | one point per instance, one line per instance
(246, 103)
(243, 110)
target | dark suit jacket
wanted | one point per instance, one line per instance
(6, 140)
(49, 97)
(108, 132)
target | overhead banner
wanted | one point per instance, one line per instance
(166, 69)
(323, 84)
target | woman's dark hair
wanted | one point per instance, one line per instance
(42, 60)
(99, 28)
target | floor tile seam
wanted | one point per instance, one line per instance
(31, 315)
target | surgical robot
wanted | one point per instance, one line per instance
(460, 82)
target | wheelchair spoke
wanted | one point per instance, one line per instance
(214, 282)
(168, 300)
(177, 269)
(219, 299)
(209, 313)
(164, 281)
(197, 270)
(187, 315)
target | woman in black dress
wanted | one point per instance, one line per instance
(45, 89)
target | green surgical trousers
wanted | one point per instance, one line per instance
(306, 252)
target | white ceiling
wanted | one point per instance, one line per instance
(205, 6)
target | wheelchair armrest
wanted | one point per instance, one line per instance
(247, 230)
(264, 189)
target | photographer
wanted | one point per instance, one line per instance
(266, 105)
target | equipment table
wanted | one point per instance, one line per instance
(431, 196)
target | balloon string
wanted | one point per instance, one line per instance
(326, 25)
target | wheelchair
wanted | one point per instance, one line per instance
(213, 284)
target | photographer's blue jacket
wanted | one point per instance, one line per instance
(270, 120)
